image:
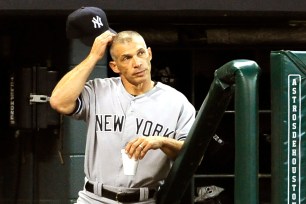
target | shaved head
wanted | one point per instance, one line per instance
(125, 37)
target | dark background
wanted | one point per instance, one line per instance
(191, 38)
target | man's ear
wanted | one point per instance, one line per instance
(150, 53)
(114, 67)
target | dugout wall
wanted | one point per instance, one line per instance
(288, 93)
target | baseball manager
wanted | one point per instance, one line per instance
(148, 119)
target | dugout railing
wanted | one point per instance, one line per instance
(238, 78)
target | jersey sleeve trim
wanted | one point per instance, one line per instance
(77, 108)
(182, 138)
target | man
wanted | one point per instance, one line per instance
(148, 119)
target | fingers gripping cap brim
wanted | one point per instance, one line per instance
(88, 41)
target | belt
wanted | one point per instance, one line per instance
(122, 197)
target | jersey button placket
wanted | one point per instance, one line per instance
(132, 106)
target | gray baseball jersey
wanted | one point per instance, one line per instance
(114, 117)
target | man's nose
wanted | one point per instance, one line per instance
(137, 61)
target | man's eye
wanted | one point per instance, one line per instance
(141, 53)
(125, 58)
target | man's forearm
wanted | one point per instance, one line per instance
(171, 147)
(68, 89)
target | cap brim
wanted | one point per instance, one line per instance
(111, 30)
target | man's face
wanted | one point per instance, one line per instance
(133, 61)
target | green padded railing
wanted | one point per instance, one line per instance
(239, 76)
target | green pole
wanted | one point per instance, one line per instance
(246, 137)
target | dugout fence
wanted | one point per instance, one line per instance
(288, 120)
(239, 77)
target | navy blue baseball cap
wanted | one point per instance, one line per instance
(86, 23)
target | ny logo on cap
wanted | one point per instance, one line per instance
(97, 22)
